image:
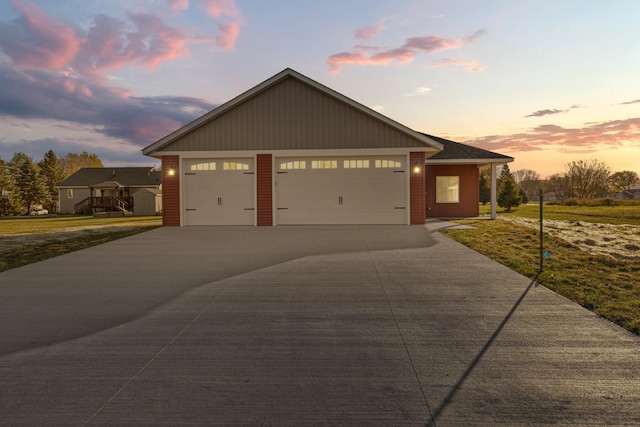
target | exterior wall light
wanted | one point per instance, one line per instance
(171, 171)
(416, 168)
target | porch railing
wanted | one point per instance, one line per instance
(108, 203)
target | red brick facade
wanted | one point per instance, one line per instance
(171, 191)
(416, 188)
(469, 195)
(264, 189)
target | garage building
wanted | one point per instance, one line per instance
(292, 151)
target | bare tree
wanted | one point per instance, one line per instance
(625, 180)
(588, 178)
(559, 185)
(528, 180)
(71, 162)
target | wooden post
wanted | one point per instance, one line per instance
(541, 236)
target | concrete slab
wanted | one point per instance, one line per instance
(344, 325)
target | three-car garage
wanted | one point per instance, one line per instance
(306, 190)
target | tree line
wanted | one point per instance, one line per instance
(25, 183)
(582, 179)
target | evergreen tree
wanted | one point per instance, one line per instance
(27, 181)
(485, 188)
(523, 196)
(9, 203)
(52, 175)
(508, 194)
(504, 174)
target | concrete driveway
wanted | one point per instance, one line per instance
(347, 325)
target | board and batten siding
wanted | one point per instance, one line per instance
(171, 191)
(469, 205)
(292, 115)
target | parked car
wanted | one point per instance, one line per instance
(36, 212)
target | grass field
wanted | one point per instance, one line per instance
(609, 286)
(27, 240)
(10, 226)
(599, 214)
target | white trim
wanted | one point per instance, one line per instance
(298, 153)
(480, 162)
(211, 115)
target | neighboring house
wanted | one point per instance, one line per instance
(631, 194)
(292, 151)
(92, 190)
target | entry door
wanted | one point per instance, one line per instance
(218, 192)
(341, 190)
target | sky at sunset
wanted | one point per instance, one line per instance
(544, 81)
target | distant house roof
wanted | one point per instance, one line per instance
(457, 151)
(125, 177)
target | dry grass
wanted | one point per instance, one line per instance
(607, 285)
(28, 240)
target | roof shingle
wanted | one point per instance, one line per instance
(126, 176)
(458, 151)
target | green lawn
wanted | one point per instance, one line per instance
(608, 286)
(18, 254)
(49, 224)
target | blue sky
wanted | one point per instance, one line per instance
(546, 81)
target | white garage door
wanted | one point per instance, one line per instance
(341, 190)
(218, 192)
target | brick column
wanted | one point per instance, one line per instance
(416, 188)
(171, 191)
(264, 189)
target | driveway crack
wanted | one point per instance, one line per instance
(150, 361)
(395, 320)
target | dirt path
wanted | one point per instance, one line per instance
(618, 241)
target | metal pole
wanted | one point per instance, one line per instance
(541, 238)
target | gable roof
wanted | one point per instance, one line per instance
(463, 153)
(409, 138)
(126, 177)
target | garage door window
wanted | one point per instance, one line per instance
(203, 166)
(235, 166)
(296, 164)
(447, 189)
(324, 164)
(356, 164)
(387, 164)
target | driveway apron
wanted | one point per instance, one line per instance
(340, 325)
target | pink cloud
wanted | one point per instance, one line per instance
(110, 44)
(38, 41)
(430, 44)
(400, 54)
(217, 8)
(228, 33)
(178, 4)
(472, 66)
(229, 28)
(337, 60)
(587, 139)
(365, 33)
(405, 53)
